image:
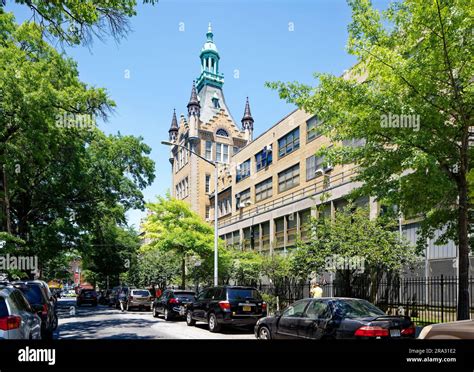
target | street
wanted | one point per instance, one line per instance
(103, 322)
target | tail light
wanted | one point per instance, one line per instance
(371, 331)
(224, 305)
(173, 301)
(264, 306)
(8, 323)
(45, 309)
(408, 331)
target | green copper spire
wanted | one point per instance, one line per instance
(209, 63)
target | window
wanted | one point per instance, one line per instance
(242, 198)
(289, 143)
(208, 151)
(208, 183)
(263, 159)
(222, 152)
(312, 131)
(263, 190)
(313, 163)
(215, 102)
(243, 171)
(289, 178)
(236, 150)
(318, 310)
(222, 132)
(208, 212)
(182, 189)
(296, 310)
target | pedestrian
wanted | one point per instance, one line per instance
(316, 291)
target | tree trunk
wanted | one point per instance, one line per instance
(463, 232)
(183, 273)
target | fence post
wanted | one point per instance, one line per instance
(442, 298)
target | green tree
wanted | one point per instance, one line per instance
(73, 21)
(62, 180)
(246, 267)
(157, 267)
(374, 245)
(415, 58)
(173, 226)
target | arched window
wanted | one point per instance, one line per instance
(222, 132)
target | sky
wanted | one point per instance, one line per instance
(150, 73)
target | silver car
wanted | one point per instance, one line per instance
(17, 318)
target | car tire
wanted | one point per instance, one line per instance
(189, 319)
(167, 315)
(264, 333)
(214, 326)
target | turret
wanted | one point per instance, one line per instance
(194, 107)
(247, 122)
(173, 132)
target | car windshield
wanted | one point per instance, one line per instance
(3, 308)
(33, 294)
(357, 309)
(243, 294)
(140, 293)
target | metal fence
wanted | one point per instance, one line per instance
(426, 300)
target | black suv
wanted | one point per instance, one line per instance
(41, 300)
(172, 303)
(226, 305)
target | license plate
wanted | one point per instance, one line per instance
(394, 333)
(247, 308)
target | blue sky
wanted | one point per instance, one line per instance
(252, 37)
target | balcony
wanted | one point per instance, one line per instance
(320, 186)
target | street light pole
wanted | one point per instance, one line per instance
(215, 164)
(216, 236)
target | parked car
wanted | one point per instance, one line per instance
(41, 300)
(333, 318)
(172, 303)
(17, 318)
(459, 330)
(139, 298)
(87, 296)
(226, 305)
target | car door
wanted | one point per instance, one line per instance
(290, 320)
(32, 321)
(17, 308)
(161, 303)
(314, 323)
(200, 303)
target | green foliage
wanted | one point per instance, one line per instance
(74, 21)
(64, 181)
(246, 267)
(415, 58)
(154, 267)
(352, 234)
(173, 226)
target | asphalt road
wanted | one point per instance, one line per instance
(103, 322)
